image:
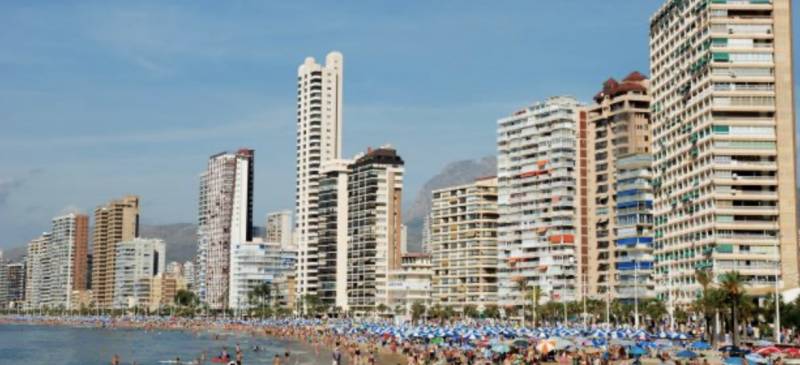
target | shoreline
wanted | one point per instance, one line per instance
(317, 347)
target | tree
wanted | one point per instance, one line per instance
(186, 300)
(491, 311)
(260, 295)
(536, 295)
(732, 284)
(417, 311)
(381, 309)
(470, 311)
(704, 278)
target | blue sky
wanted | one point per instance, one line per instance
(100, 99)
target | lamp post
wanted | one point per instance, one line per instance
(777, 296)
(635, 294)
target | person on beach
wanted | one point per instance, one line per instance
(337, 355)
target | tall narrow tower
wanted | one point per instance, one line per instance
(114, 222)
(225, 216)
(319, 139)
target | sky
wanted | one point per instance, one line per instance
(106, 98)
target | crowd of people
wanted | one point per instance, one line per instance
(362, 342)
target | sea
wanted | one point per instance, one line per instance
(49, 345)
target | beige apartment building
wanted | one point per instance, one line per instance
(115, 222)
(724, 151)
(620, 232)
(463, 244)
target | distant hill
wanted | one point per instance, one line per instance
(454, 173)
(180, 238)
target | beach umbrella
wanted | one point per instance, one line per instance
(500, 348)
(701, 345)
(437, 340)
(637, 351)
(792, 352)
(545, 346)
(756, 358)
(686, 354)
(766, 351)
(620, 342)
(520, 343)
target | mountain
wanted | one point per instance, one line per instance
(180, 239)
(454, 173)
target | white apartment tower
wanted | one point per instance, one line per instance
(319, 139)
(724, 154)
(225, 217)
(279, 228)
(541, 173)
(137, 262)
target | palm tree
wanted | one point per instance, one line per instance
(381, 309)
(522, 285)
(260, 295)
(704, 278)
(491, 311)
(417, 311)
(470, 311)
(536, 295)
(732, 284)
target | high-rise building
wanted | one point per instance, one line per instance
(464, 244)
(66, 251)
(374, 226)
(319, 139)
(137, 262)
(724, 153)
(256, 263)
(279, 228)
(15, 276)
(542, 226)
(425, 246)
(225, 217)
(189, 273)
(620, 196)
(56, 261)
(4, 297)
(115, 222)
(333, 232)
(36, 262)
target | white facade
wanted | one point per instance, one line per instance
(410, 284)
(332, 241)
(50, 272)
(538, 202)
(279, 229)
(254, 263)
(36, 261)
(137, 262)
(225, 216)
(319, 139)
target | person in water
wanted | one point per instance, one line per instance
(286, 358)
(115, 360)
(276, 360)
(239, 357)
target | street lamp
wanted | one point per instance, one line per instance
(635, 294)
